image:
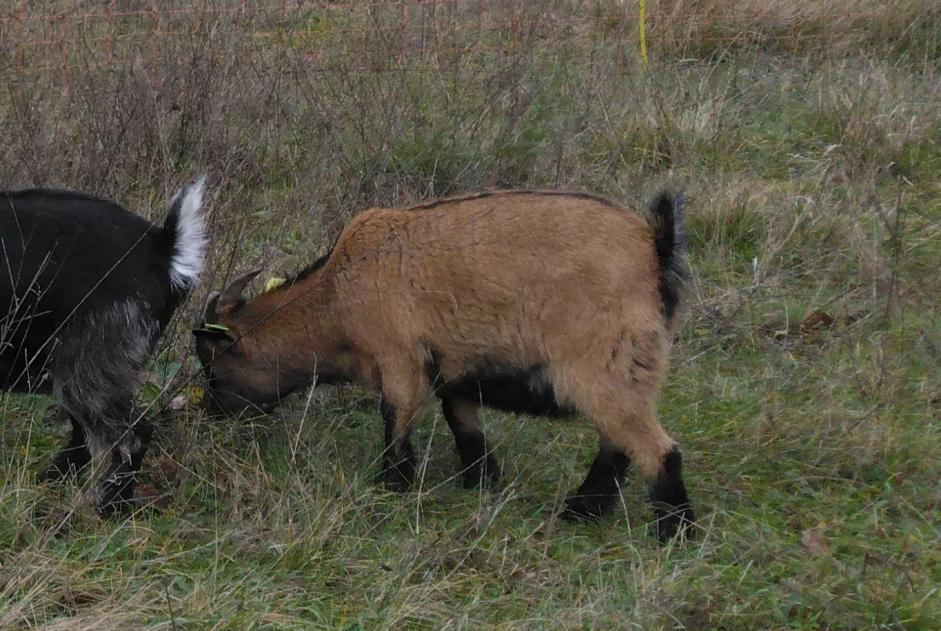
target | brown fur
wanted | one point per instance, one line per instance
(566, 282)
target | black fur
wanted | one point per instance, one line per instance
(495, 385)
(85, 291)
(313, 267)
(665, 215)
(598, 494)
(503, 387)
(116, 492)
(479, 466)
(68, 254)
(670, 502)
(72, 459)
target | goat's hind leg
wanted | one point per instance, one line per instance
(115, 492)
(659, 460)
(95, 377)
(671, 505)
(599, 493)
(71, 459)
(625, 417)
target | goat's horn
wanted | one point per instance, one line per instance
(211, 314)
(233, 293)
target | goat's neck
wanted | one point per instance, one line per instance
(296, 326)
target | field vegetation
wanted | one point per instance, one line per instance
(805, 388)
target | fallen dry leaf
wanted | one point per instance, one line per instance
(151, 496)
(816, 321)
(815, 542)
(169, 470)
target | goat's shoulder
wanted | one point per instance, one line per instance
(369, 231)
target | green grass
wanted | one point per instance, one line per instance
(812, 454)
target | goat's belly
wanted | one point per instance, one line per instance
(510, 389)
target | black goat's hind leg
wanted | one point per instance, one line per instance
(73, 457)
(95, 376)
(116, 489)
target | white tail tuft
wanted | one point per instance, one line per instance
(189, 241)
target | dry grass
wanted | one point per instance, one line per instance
(805, 388)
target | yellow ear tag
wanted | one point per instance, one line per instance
(273, 283)
(194, 395)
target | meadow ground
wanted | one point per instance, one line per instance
(805, 387)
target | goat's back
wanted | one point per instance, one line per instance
(67, 254)
(510, 274)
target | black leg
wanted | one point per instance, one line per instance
(398, 467)
(71, 459)
(668, 496)
(479, 466)
(116, 490)
(598, 494)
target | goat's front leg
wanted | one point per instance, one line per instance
(403, 393)
(479, 465)
(398, 459)
(71, 459)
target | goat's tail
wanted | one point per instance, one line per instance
(185, 229)
(665, 215)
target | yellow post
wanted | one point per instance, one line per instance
(642, 30)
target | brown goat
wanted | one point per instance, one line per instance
(545, 303)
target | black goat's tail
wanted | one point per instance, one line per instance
(184, 227)
(665, 215)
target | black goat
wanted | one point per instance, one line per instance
(85, 291)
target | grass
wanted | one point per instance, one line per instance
(805, 387)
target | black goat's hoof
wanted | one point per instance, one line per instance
(64, 467)
(116, 499)
(115, 509)
(54, 475)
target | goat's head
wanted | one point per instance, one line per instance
(240, 375)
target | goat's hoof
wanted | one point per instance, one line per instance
(54, 475)
(116, 501)
(486, 474)
(115, 509)
(398, 476)
(675, 521)
(586, 508)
